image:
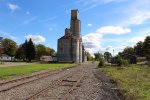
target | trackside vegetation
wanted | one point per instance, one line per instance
(133, 81)
(7, 72)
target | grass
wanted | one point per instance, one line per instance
(133, 81)
(7, 72)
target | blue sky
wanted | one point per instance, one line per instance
(105, 24)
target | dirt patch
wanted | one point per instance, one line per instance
(109, 86)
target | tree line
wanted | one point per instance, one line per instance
(141, 49)
(26, 51)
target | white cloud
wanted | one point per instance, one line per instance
(140, 17)
(50, 29)
(7, 34)
(47, 19)
(92, 40)
(136, 39)
(114, 50)
(88, 8)
(29, 20)
(89, 4)
(28, 13)
(113, 30)
(90, 25)
(118, 49)
(36, 38)
(108, 1)
(13, 7)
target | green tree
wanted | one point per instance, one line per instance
(129, 50)
(30, 50)
(20, 53)
(139, 49)
(107, 56)
(89, 57)
(24, 47)
(1, 51)
(98, 56)
(146, 48)
(52, 51)
(40, 51)
(10, 47)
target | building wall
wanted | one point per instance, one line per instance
(69, 50)
(64, 50)
(70, 46)
(80, 51)
(75, 50)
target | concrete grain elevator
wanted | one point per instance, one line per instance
(70, 47)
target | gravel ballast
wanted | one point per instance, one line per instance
(94, 85)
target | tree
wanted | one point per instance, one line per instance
(89, 57)
(40, 50)
(9, 47)
(1, 51)
(98, 56)
(129, 50)
(20, 53)
(52, 51)
(30, 50)
(24, 49)
(107, 56)
(139, 49)
(146, 48)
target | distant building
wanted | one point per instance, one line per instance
(55, 58)
(46, 58)
(70, 47)
(5, 57)
(141, 59)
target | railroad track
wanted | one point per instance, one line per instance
(58, 83)
(23, 78)
(27, 79)
(73, 87)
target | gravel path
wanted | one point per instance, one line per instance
(94, 85)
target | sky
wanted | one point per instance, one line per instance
(106, 25)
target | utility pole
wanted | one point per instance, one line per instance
(113, 52)
(113, 57)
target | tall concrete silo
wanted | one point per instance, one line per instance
(75, 50)
(70, 45)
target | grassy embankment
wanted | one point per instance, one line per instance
(7, 72)
(133, 81)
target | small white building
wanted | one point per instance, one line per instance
(6, 57)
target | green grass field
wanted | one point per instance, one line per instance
(7, 72)
(133, 81)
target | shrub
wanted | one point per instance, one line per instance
(101, 63)
(122, 62)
